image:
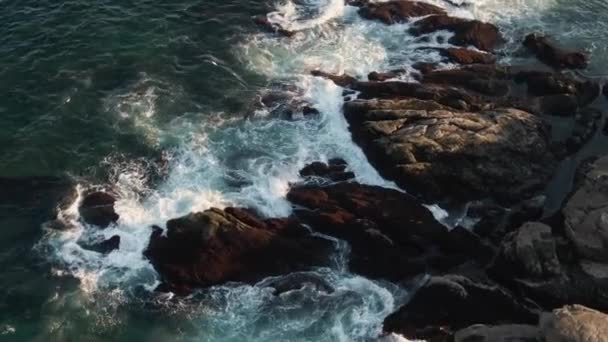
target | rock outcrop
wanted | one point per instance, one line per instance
(554, 56)
(97, 208)
(437, 152)
(451, 302)
(395, 11)
(484, 36)
(218, 246)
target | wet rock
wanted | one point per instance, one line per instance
(554, 56)
(396, 11)
(97, 208)
(391, 235)
(500, 333)
(265, 23)
(335, 170)
(382, 76)
(307, 110)
(466, 56)
(574, 323)
(106, 246)
(424, 67)
(341, 80)
(441, 153)
(544, 83)
(452, 302)
(586, 213)
(217, 246)
(483, 36)
(297, 281)
(586, 123)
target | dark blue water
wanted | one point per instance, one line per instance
(160, 100)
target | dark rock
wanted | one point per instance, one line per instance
(466, 56)
(97, 208)
(586, 213)
(297, 281)
(335, 171)
(342, 80)
(530, 251)
(381, 76)
(499, 333)
(395, 11)
(217, 246)
(106, 246)
(483, 36)
(586, 123)
(307, 110)
(439, 153)
(391, 235)
(264, 22)
(554, 56)
(424, 67)
(545, 83)
(451, 302)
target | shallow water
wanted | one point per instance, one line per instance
(112, 92)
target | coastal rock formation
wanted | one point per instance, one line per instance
(586, 213)
(484, 36)
(438, 152)
(466, 56)
(97, 208)
(554, 56)
(217, 246)
(264, 22)
(451, 302)
(334, 170)
(395, 11)
(499, 333)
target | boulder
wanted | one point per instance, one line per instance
(574, 323)
(438, 152)
(554, 56)
(466, 56)
(217, 246)
(334, 170)
(106, 246)
(483, 36)
(391, 235)
(97, 208)
(266, 24)
(529, 251)
(452, 302)
(586, 213)
(396, 11)
(499, 333)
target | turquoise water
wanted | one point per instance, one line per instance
(111, 92)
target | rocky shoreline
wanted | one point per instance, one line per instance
(476, 135)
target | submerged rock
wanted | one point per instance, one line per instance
(106, 246)
(97, 208)
(554, 56)
(218, 246)
(395, 11)
(483, 36)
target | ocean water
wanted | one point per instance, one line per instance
(160, 100)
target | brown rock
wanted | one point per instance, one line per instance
(217, 246)
(97, 208)
(483, 36)
(395, 11)
(467, 56)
